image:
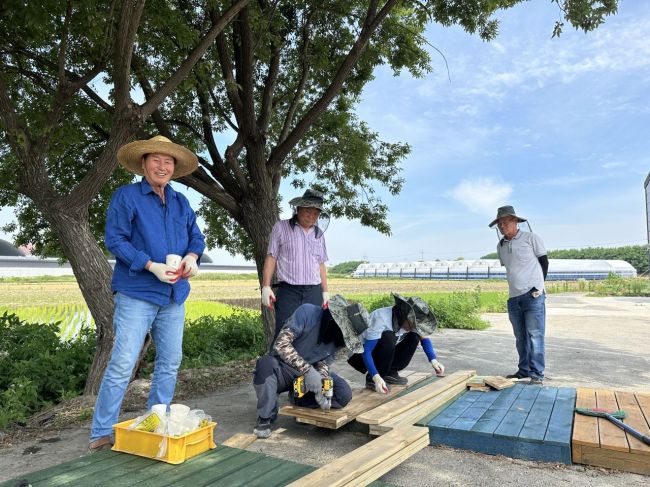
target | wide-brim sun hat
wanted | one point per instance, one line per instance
(310, 199)
(352, 320)
(130, 155)
(418, 312)
(506, 211)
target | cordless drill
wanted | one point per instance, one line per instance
(299, 387)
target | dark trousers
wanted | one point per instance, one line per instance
(289, 297)
(388, 355)
(272, 377)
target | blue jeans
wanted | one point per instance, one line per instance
(132, 320)
(528, 317)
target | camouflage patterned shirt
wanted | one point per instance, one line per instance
(297, 343)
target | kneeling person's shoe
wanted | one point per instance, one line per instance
(394, 378)
(262, 428)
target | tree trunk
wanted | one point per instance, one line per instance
(259, 214)
(93, 275)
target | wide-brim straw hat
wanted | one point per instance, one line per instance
(506, 211)
(130, 155)
(418, 312)
(352, 320)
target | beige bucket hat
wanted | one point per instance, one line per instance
(130, 155)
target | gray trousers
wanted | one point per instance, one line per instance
(272, 377)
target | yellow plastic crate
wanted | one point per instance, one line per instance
(179, 448)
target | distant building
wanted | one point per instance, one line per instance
(558, 270)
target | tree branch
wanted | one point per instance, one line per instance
(295, 101)
(371, 24)
(186, 66)
(269, 87)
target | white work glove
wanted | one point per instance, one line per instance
(326, 299)
(189, 267)
(314, 382)
(438, 367)
(164, 272)
(380, 385)
(268, 298)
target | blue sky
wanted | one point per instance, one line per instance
(559, 128)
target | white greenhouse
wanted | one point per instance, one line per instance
(558, 270)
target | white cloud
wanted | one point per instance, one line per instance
(610, 165)
(482, 195)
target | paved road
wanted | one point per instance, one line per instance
(595, 342)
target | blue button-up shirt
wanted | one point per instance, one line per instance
(140, 228)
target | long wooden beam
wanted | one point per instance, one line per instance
(419, 411)
(386, 411)
(369, 462)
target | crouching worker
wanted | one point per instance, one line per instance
(390, 342)
(305, 347)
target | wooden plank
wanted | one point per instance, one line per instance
(100, 469)
(514, 419)
(366, 460)
(71, 465)
(390, 463)
(499, 383)
(213, 465)
(449, 415)
(534, 428)
(601, 457)
(497, 411)
(414, 414)
(628, 403)
(643, 399)
(468, 418)
(362, 401)
(585, 428)
(561, 423)
(240, 440)
(611, 436)
(397, 406)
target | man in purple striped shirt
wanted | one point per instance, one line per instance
(297, 253)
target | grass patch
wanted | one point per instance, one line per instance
(612, 286)
(459, 309)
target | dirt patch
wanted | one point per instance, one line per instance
(44, 426)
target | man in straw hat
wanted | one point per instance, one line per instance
(306, 346)
(524, 257)
(297, 253)
(391, 339)
(148, 226)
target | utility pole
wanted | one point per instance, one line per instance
(646, 185)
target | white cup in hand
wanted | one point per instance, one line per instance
(173, 260)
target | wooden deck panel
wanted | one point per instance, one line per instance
(223, 466)
(362, 401)
(514, 422)
(596, 443)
